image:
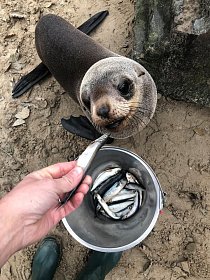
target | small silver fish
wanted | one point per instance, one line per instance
(104, 176)
(98, 207)
(124, 212)
(120, 206)
(134, 186)
(134, 208)
(126, 191)
(131, 178)
(104, 213)
(114, 190)
(106, 208)
(123, 196)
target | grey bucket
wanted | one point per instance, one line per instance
(106, 235)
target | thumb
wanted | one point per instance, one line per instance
(69, 181)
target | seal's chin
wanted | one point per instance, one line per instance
(116, 129)
(114, 124)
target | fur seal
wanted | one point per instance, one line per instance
(117, 94)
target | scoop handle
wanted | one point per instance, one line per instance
(84, 161)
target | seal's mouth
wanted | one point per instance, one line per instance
(114, 124)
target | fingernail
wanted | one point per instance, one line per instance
(77, 170)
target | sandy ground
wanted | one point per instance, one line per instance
(175, 143)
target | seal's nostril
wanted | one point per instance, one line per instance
(103, 111)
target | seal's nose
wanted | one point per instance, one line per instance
(103, 111)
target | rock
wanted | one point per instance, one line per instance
(17, 15)
(174, 46)
(17, 66)
(9, 35)
(54, 150)
(48, 4)
(15, 165)
(200, 131)
(23, 114)
(159, 96)
(185, 267)
(42, 103)
(12, 57)
(190, 248)
(18, 122)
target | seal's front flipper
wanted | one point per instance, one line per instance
(93, 22)
(41, 71)
(32, 78)
(82, 127)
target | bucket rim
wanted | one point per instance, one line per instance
(159, 206)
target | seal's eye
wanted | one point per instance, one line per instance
(125, 89)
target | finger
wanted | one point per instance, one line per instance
(87, 180)
(69, 207)
(76, 200)
(83, 188)
(55, 171)
(69, 181)
(85, 185)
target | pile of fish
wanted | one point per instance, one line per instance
(117, 194)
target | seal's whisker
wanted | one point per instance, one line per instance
(131, 105)
(136, 111)
(138, 107)
(136, 120)
(138, 104)
(133, 110)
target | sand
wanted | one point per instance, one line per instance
(175, 144)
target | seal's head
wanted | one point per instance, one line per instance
(118, 96)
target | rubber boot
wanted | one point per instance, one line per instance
(99, 265)
(46, 259)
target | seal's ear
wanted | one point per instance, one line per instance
(86, 99)
(139, 71)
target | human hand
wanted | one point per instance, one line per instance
(30, 209)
